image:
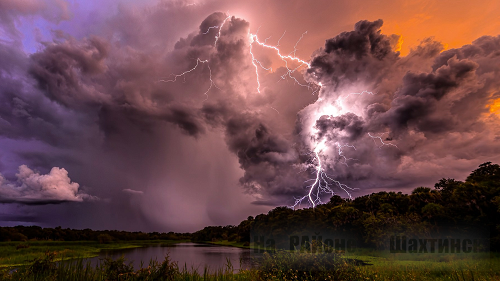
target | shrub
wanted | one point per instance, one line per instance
(114, 269)
(284, 265)
(22, 246)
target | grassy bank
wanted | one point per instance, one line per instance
(242, 245)
(20, 253)
(386, 266)
(280, 266)
(382, 265)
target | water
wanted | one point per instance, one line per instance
(192, 255)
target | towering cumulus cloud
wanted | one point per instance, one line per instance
(33, 188)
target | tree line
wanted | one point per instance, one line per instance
(465, 207)
(25, 233)
(452, 205)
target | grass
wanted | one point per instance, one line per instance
(19, 253)
(385, 266)
(230, 243)
(431, 266)
(282, 265)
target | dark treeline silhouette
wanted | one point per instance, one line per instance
(24, 233)
(466, 207)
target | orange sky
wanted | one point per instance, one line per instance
(454, 23)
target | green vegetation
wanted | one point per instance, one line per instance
(23, 243)
(244, 245)
(25, 233)
(19, 253)
(282, 265)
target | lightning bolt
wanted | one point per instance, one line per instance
(209, 28)
(198, 62)
(361, 93)
(322, 183)
(341, 153)
(381, 141)
(220, 29)
(253, 38)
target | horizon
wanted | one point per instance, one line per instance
(176, 115)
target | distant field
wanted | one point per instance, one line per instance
(230, 243)
(20, 253)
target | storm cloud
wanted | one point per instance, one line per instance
(424, 114)
(165, 109)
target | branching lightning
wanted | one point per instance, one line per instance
(253, 38)
(381, 140)
(321, 182)
(198, 61)
(285, 58)
(341, 153)
(220, 30)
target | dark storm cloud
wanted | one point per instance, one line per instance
(354, 56)
(416, 104)
(209, 29)
(449, 98)
(82, 76)
(112, 119)
(434, 106)
(63, 71)
(348, 123)
(267, 158)
(25, 113)
(119, 91)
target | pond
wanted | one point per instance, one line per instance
(192, 255)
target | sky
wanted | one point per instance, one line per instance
(175, 115)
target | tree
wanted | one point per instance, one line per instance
(105, 238)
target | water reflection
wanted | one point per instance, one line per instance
(193, 256)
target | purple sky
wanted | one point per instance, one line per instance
(170, 116)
